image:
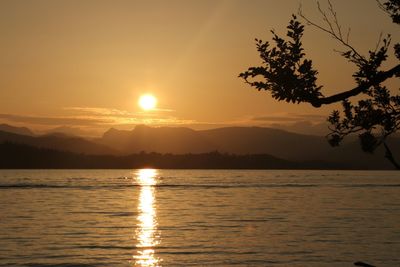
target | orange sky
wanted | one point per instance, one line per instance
(85, 63)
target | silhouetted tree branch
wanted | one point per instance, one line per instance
(379, 78)
(289, 76)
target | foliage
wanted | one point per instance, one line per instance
(286, 73)
(289, 76)
(392, 7)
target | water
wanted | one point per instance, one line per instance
(198, 217)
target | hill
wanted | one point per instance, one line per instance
(246, 140)
(281, 144)
(176, 140)
(18, 156)
(16, 130)
(57, 141)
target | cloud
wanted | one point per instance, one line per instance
(53, 120)
(274, 118)
(94, 116)
(97, 120)
(123, 117)
(116, 113)
(94, 111)
(290, 117)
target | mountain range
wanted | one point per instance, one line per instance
(16, 130)
(57, 141)
(281, 144)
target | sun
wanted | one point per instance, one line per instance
(147, 102)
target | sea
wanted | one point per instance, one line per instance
(148, 217)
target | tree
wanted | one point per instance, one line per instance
(289, 76)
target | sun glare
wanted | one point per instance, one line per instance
(147, 102)
(147, 234)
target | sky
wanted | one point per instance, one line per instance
(85, 63)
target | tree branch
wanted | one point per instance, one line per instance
(382, 76)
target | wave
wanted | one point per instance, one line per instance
(122, 186)
(62, 265)
(182, 186)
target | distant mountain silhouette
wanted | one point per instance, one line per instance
(280, 143)
(57, 141)
(70, 131)
(285, 145)
(176, 140)
(18, 156)
(245, 140)
(238, 140)
(16, 130)
(297, 147)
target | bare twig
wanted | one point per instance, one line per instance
(379, 42)
(348, 35)
(333, 23)
(335, 19)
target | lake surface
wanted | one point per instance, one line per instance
(198, 217)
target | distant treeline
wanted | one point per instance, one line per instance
(20, 156)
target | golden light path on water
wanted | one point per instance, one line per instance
(147, 234)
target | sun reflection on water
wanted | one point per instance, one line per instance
(147, 234)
